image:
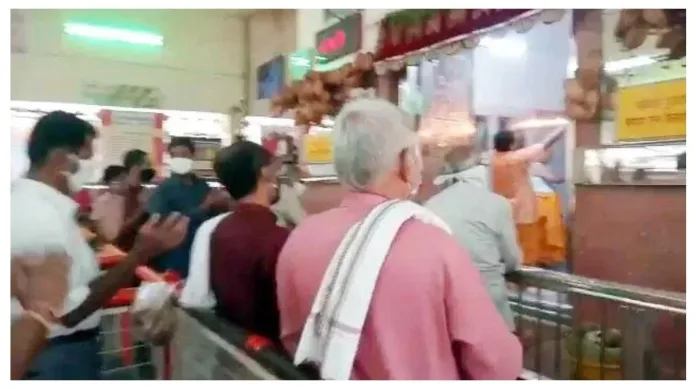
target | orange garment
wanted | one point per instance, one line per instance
(544, 242)
(553, 230)
(510, 179)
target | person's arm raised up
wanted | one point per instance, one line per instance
(553, 137)
(535, 152)
(154, 238)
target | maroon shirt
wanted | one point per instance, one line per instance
(244, 250)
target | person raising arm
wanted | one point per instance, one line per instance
(43, 223)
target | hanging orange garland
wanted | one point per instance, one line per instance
(322, 94)
(669, 25)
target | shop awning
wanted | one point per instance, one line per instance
(408, 36)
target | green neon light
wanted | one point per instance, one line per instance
(113, 34)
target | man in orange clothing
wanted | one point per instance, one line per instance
(510, 178)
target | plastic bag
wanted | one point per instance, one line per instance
(154, 312)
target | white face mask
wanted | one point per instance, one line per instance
(180, 165)
(82, 176)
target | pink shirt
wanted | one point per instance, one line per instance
(430, 316)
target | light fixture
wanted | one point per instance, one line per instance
(113, 34)
(540, 122)
(613, 67)
(628, 63)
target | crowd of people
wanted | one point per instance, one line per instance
(403, 280)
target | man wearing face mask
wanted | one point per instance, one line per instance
(244, 245)
(186, 193)
(44, 226)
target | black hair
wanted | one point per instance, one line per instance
(182, 141)
(503, 140)
(112, 172)
(238, 167)
(134, 157)
(57, 130)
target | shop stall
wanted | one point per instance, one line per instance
(630, 178)
(506, 69)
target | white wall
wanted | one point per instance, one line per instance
(199, 68)
(520, 73)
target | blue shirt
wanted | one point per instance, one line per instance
(178, 195)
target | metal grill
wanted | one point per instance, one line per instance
(571, 327)
(575, 328)
(124, 357)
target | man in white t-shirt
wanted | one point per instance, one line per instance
(44, 225)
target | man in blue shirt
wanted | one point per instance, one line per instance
(188, 194)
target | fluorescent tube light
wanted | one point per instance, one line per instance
(113, 34)
(613, 67)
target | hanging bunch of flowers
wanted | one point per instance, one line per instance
(322, 94)
(669, 25)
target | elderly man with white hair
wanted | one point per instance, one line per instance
(378, 288)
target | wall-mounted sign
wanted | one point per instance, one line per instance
(131, 96)
(317, 148)
(652, 111)
(340, 39)
(270, 78)
(398, 37)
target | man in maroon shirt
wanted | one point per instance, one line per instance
(244, 247)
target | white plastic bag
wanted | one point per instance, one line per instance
(154, 312)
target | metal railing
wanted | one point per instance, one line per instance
(574, 327)
(571, 327)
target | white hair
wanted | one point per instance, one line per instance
(369, 134)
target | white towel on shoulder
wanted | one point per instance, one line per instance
(332, 332)
(197, 292)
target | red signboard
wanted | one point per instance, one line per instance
(398, 39)
(340, 39)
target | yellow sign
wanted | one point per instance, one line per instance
(318, 148)
(652, 111)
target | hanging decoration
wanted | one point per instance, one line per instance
(669, 25)
(322, 94)
(590, 95)
(410, 30)
(411, 36)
